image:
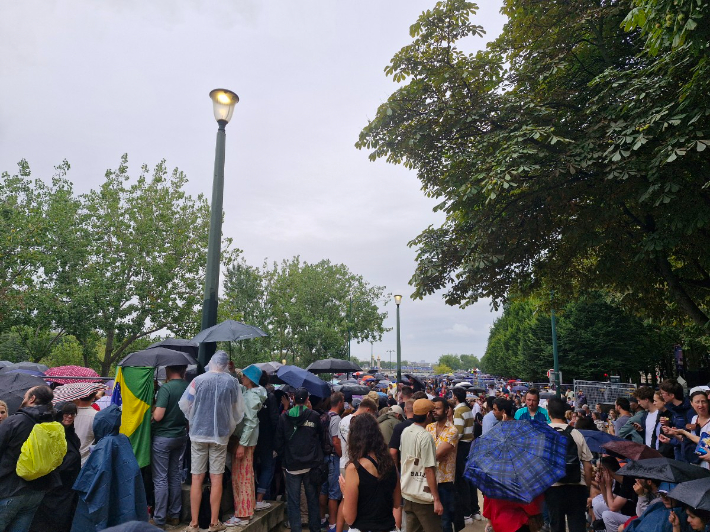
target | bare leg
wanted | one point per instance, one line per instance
(195, 497)
(332, 511)
(215, 496)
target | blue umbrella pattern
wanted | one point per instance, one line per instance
(596, 438)
(516, 460)
(300, 378)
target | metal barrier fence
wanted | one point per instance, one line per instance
(602, 392)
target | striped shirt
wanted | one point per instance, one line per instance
(463, 421)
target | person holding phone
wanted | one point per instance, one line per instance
(699, 423)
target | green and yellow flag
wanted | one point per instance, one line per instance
(134, 394)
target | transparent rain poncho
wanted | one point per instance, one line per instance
(213, 403)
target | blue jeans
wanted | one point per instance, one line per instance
(16, 512)
(448, 501)
(267, 463)
(166, 456)
(293, 499)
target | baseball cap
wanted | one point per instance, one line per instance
(300, 395)
(422, 407)
(397, 410)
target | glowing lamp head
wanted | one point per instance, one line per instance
(397, 299)
(223, 102)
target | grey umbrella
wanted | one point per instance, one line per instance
(28, 365)
(178, 344)
(13, 387)
(333, 365)
(695, 493)
(228, 331)
(158, 356)
(269, 367)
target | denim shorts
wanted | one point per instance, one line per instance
(331, 487)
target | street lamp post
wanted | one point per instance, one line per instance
(223, 102)
(390, 351)
(398, 300)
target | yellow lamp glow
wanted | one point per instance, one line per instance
(223, 102)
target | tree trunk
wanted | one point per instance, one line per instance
(679, 294)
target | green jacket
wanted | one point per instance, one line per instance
(387, 423)
(248, 428)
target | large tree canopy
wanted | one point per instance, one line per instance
(569, 154)
(109, 267)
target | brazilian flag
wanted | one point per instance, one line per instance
(134, 394)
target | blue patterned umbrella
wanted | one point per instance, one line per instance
(516, 460)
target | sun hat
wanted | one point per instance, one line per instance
(253, 373)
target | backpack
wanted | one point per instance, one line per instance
(573, 473)
(325, 425)
(42, 452)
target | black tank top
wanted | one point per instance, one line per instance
(375, 500)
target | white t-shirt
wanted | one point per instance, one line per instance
(84, 428)
(651, 419)
(344, 431)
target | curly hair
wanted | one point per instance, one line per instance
(365, 437)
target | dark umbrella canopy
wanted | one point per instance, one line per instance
(333, 365)
(29, 365)
(520, 388)
(694, 493)
(664, 469)
(13, 387)
(349, 381)
(158, 356)
(269, 367)
(415, 382)
(178, 344)
(7, 370)
(516, 460)
(630, 450)
(300, 378)
(228, 331)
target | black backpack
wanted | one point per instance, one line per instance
(325, 424)
(573, 473)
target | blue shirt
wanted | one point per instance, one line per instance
(489, 421)
(540, 415)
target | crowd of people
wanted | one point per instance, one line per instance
(377, 462)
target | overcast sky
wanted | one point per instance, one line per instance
(88, 81)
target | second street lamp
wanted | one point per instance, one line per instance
(398, 300)
(223, 102)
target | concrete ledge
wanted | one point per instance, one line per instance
(267, 520)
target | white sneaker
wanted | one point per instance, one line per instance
(468, 520)
(477, 517)
(262, 505)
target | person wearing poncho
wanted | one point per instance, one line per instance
(110, 485)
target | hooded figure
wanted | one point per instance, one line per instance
(213, 404)
(110, 485)
(57, 509)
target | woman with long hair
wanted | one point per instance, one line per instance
(371, 489)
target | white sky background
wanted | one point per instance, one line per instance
(90, 80)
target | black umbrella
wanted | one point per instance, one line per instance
(13, 387)
(695, 493)
(664, 469)
(161, 375)
(228, 331)
(547, 395)
(158, 356)
(355, 390)
(415, 382)
(333, 365)
(178, 344)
